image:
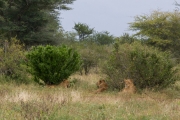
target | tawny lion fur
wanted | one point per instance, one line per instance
(129, 86)
(102, 86)
(65, 83)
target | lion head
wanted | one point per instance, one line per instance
(102, 86)
(65, 83)
(129, 86)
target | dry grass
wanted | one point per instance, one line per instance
(78, 102)
(91, 78)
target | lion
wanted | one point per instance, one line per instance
(50, 86)
(129, 86)
(102, 86)
(65, 83)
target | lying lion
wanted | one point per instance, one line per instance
(102, 86)
(64, 83)
(129, 86)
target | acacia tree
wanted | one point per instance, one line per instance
(161, 29)
(83, 30)
(32, 21)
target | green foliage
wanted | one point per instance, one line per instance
(92, 55)
(147, 66)
(162, 44)
(12, 57)
(163, 25)
(70, 36)
(32, 21)
(53, 64)
(89, 58)
(83, 30)
(161, 29)
(126, 38)
(103, 38)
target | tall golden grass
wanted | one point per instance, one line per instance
(80, 103)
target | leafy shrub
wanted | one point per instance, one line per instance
(147, 66)
(52, 64)
(12, 57)
(92, 55)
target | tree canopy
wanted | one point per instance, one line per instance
(32, 21)
(83, 30)
(103, 38)
(160, 28)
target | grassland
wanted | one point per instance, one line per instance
(34, 102)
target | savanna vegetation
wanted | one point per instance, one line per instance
(35, 53)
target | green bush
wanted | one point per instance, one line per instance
(147, 66)
(52, 64)
(92, 55)
(12, 57)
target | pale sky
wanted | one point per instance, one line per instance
(111, 15)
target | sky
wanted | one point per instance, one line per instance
(111, 15)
